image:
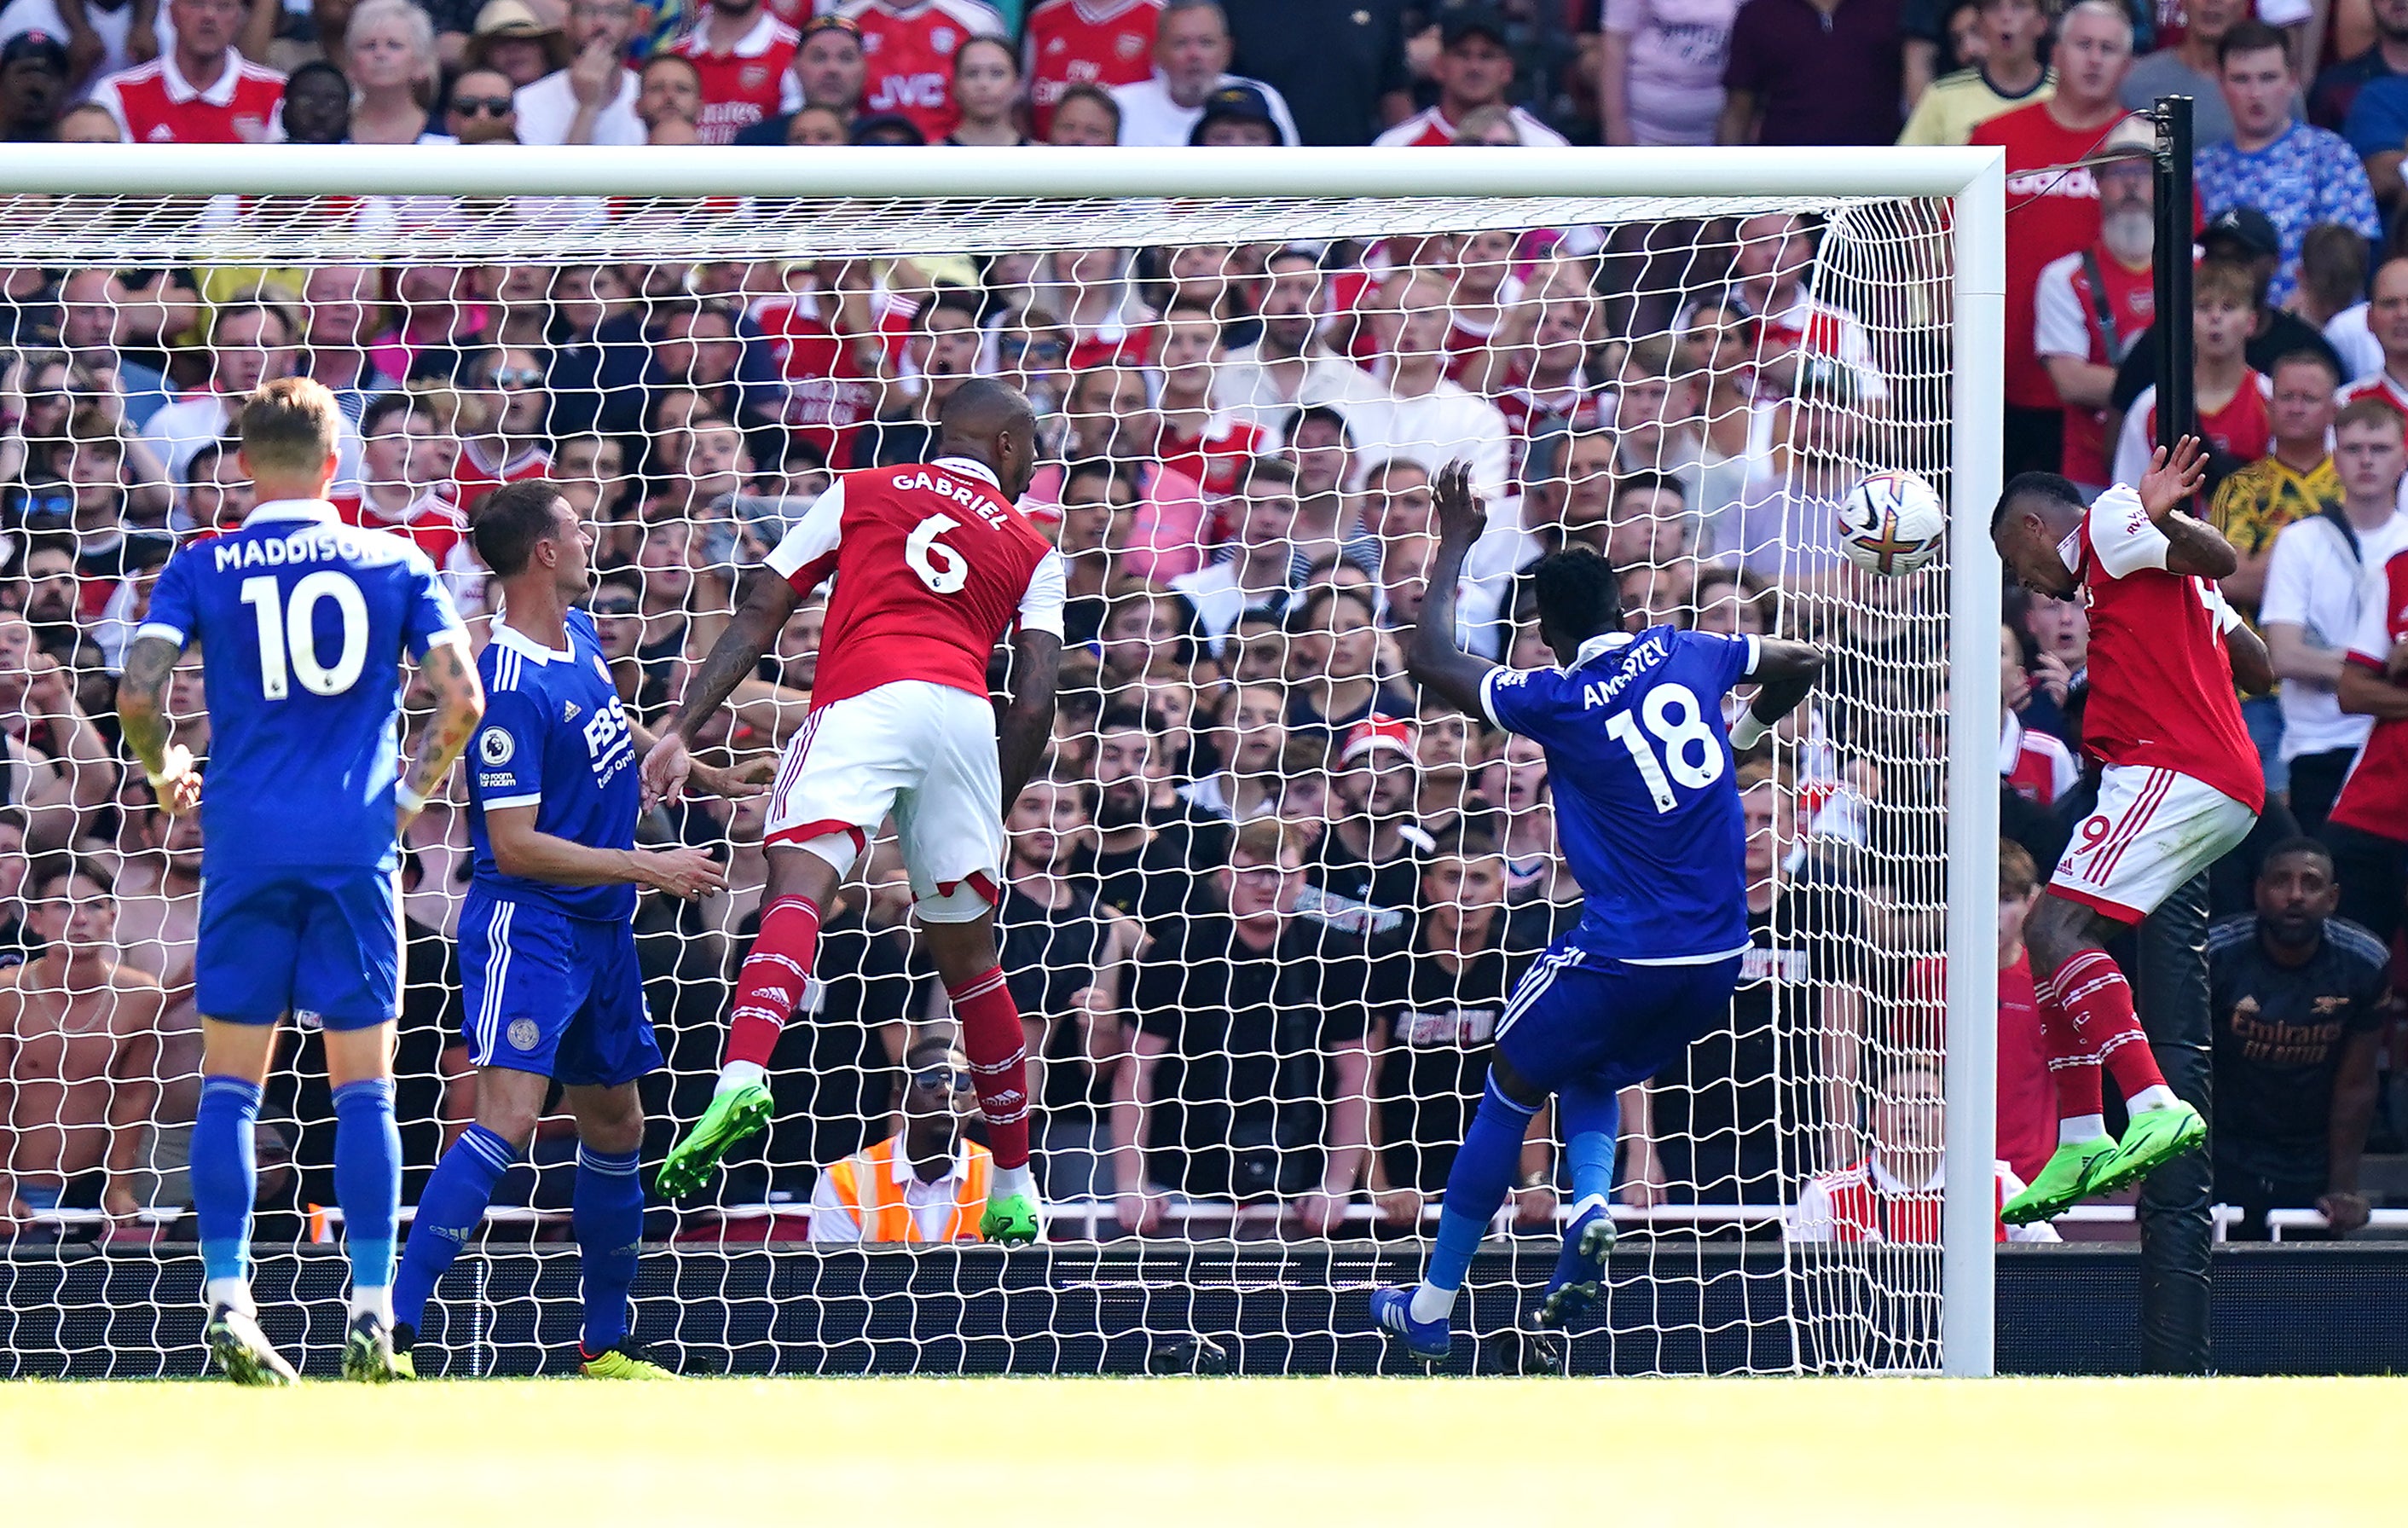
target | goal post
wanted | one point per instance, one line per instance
(1909, 269)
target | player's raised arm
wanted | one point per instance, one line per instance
(1431, 656)
(1785, 673)
(459, 702)
(2193, 547)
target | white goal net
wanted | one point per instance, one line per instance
(1266, 904)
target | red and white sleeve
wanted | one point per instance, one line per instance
(807, 556)
(2123, 538)
(2379, 590)
(1048, 591)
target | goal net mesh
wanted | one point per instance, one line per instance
(1244, 1123)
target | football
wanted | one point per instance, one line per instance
(1891, 523)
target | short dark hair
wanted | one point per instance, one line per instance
(49, 870)
(1646, 478)
(2045, 485)
(1321, 414)
(2306, 358)
(1577, 591)
(953, 299)
(382, 407)
(1098, 466)
(1121, 717)
(2295, 845)
(2250, 35)
(510, 520)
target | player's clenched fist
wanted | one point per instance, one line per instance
(687, 873)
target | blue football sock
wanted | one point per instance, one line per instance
(449, 1210)
(225, 1175)
(367, 1184)
(1591, 1117)
(607, 1215)
(1474, 1189)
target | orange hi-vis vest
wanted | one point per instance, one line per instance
(865, 1184)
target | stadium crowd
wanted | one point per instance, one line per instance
(1266, 906)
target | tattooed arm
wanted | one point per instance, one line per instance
(459, 702)
(142, 715)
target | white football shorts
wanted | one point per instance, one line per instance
(924, 752)
(2152, 829)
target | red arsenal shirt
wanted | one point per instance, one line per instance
(2049, 215)
(154, 103)
(909, 47)
(1086, 42)
(2374, 798)
(750, 81)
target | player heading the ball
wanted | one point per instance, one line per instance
(933, 564)
(1648, 812)
(2182, 785)
(304, 625)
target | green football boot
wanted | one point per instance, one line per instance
(2153, 1138)
(1012, 1220)
(2071, 1177)
(733, 1115)
(622, 1360)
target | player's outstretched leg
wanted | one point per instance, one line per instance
(607, 1214)
(997, 1048)
(1592, 1118)
(225, 1181)
(2083, 1143)
(767, 989)
(449, 1208)
(1422, 1317)
(367, 1184)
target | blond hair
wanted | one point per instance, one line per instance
(288, 425)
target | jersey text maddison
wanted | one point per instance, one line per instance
(554, 738)
(2161, 691)
(302, 623)
(1646, 805)
(932, 566)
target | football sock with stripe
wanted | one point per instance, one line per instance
(1474, 1189)
(2099, 1001)
(770, 985)
(449, 1210)
(998, 1051)
(225, 1181)
(607, 1213)
(1590, 1114)
(2072, 1069)
(367, 1184)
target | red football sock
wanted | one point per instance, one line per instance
(2099, 1001)
(2071, 1066)
(771, 981)
(998, 1052)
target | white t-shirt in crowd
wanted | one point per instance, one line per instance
(1149, 119)
(547, 107)
(1677, 51)
(2314, 582)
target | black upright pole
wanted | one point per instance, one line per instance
(2170, 971)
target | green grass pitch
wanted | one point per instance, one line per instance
(1234, 1453)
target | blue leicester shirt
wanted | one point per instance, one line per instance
(554, 738)
(1646, 807)
(302, 623)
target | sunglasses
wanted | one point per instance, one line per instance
(520, 376)
(483, 106)
(940, 1080)
(616, 607)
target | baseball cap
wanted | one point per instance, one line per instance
(40, 47)
(1375, 735)
(1235, 104)
(2135, 135)
(1472, 20)
(2246, 226)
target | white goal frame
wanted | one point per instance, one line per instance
(1973, 181)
